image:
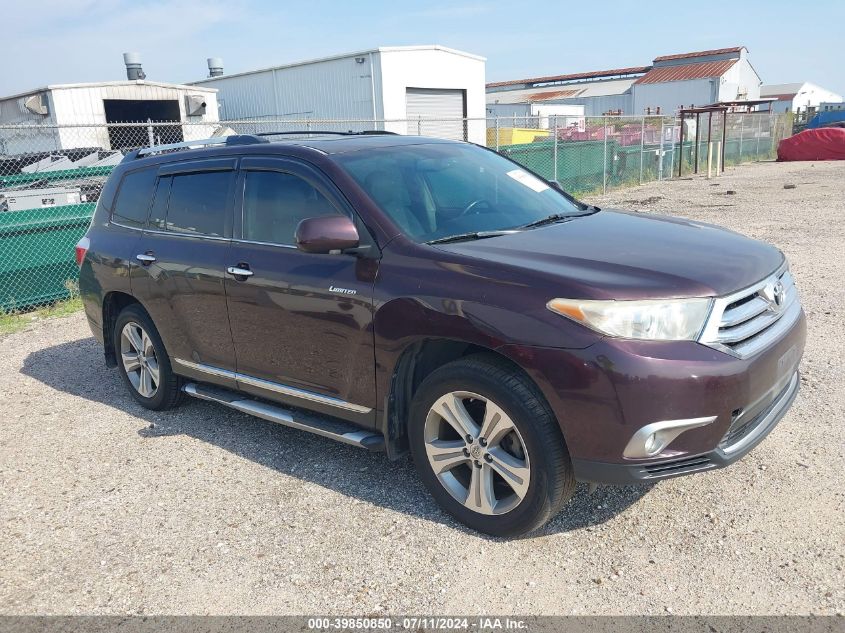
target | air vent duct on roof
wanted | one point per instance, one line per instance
(215, 66)
(37, 104)
(133, 66)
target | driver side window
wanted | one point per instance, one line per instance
(276, 202)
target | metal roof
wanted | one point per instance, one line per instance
(106, 84)
(778, 90)
(596, 74)
(715, 51)
(552, 94)
(784, 97)
(610, 87)
(318, 60)
(685, 72)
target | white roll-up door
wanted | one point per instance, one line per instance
(436, 112)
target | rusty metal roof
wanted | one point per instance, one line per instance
(596, 74)
(552, 94)
(684, 72)
(715, 51)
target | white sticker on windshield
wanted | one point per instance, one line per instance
(532, 182)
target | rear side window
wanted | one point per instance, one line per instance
(275, 203)
(134, 198)
(199, 202)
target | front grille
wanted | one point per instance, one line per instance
(749, 321)
(678, 466)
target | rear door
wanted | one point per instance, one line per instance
(182, 259)
(301, 322)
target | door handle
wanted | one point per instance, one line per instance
(145, 258)
(237, 271)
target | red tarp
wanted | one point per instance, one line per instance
(824, 143)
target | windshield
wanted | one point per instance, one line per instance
(436, 190)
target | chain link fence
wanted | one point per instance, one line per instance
(51, 176)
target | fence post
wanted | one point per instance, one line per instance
(660, 162)
(772, 145)
(757, 151)
(709, 159)
(554, 146)
(642, 148)
(604, 166)
(150, 135)
(497, 132)
(741, 128)
(419, 125)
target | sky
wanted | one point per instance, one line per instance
(70, 41)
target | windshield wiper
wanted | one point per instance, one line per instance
(549, 219)
(472, 235)
(559, 217)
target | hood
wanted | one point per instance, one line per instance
(621, 255)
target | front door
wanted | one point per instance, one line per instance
(181, 261)
(301, 322)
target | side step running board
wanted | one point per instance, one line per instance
(313, 423)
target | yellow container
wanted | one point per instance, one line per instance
(514, 135)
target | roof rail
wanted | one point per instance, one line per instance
(234, 139)
(318, 132)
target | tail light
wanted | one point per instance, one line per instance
(81, 249)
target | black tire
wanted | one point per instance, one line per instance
(168, 390)
(551, 478)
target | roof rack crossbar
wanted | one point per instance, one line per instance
(235, 139)
(318, 132)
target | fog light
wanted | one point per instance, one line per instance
(655, 437)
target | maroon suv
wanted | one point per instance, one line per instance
(414, 294)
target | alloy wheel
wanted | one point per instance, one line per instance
(139, 359)
(477, 453)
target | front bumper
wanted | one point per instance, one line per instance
(604, 394)
(742, 437)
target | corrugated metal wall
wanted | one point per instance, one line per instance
(670, 95)
(83, 106)
(332, 89)
(597, 106)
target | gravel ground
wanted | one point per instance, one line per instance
(108, 508)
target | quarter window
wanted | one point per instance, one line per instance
(276, 202)
(199, 202)
(133, 198)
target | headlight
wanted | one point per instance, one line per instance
(661, 319)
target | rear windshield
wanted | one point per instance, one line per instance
(443, 189)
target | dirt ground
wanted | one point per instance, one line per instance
(108, 508)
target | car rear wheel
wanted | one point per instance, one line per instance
(143, 362)
(489, 448)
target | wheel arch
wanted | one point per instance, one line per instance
(113, 304)
(417, 361)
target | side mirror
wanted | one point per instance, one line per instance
(326, 234)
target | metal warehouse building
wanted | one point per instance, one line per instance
(56, 109)
(599, 92)
(671, 82)
(799, 97)
(411, 88)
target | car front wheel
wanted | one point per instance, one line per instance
(488, 448)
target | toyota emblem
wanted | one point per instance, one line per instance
(778, 296)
